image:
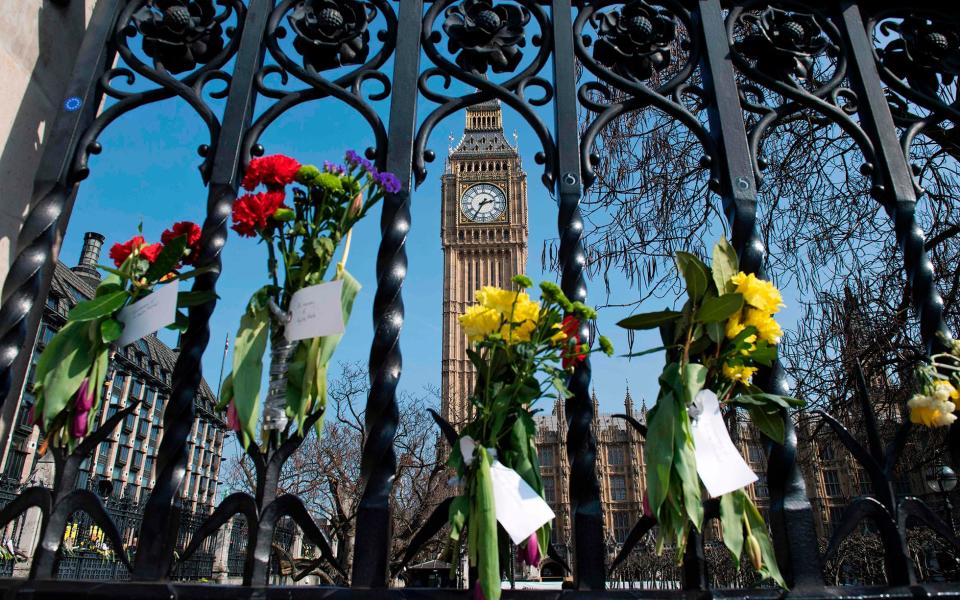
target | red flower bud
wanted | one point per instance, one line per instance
(531, 552)
(83, 399)
(78, 428)
(233, 419)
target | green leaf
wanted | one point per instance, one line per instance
(764, 354)
(649, 320)
(187, 299)
(194, 273)
(643, 352)
(694, 274)
(725, 265)
(99, 307)
(180, 323)
(685, 463)
(759, 530)
(168, 258)
(110, 330)
(226, 392)
(694, 376)
(61, 382)
(249, 347)
(769, 422)
(719, 308)
(459, 509)
(731, 519)
(661, 429)
(484, 519)
(715, 331)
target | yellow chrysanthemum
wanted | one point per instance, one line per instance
(767, 327)
(738, 372)
(735, 326)
(526, 313)
(930, 412)
(758, 293)
(479, 322)
(497, 299)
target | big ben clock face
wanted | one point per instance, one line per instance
(483, 203)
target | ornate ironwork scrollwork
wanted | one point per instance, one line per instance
(486, 35)
(784, 43)
(635, 43)
(923, 53)
(180, 34)
(331, 33)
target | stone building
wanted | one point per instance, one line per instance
(141, 371)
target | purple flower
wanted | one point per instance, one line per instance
(478, 591)
(353, 158)
(83, 400)
(531, 553)
(79, 426)
(389, 182)
(334, 168)
(233, 419)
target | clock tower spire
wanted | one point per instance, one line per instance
(483, 235)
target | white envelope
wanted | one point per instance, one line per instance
(146, 316)
(316, 311)
(720, 465)
(519, 508)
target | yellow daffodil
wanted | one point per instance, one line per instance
(931, 412)
(943, 391)
(758, 293)
(738, 372)
(735, 326)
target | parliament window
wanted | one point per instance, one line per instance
(615, 454)
(618, 488)
(546, 456)
(549, 489)
(831, 482)
(621, 526)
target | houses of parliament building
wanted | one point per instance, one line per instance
(484, 233)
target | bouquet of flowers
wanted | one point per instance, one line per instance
(521, 350)
(72, 368)
(939, 379)
(725, 332)
(301, 241)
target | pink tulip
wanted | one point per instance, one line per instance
(647, 511)
(478, 591)
(531, 553)
(233, 419)
(83, 400)
(79, 428)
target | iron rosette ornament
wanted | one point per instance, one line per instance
(784, 43)
(483, 35)
(179, 35)
(331, 33)
(636, 42)
(923, 52)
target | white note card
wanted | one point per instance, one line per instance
(519, 508)
(146, 316)
(316, 311)
(720, 465)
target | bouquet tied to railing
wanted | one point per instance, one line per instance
(72, 368)
(521, 349)
(725, 333)
(939, 377)
(300, 313)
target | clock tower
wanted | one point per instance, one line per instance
(483, 234)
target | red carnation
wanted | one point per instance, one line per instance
(192, 233)
(151, 252)
(272, 171)
(574, 351)
(251, 211)
(121, 252)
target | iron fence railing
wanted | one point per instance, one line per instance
(240, 44)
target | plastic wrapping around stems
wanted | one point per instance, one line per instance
(274, 408)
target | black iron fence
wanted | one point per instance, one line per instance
(740, 57)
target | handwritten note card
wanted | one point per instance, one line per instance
(316, 311)
(720, 465)
(146, 316)
(519, 508)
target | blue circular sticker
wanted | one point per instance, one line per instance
(73, 103)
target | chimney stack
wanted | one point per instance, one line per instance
(89, 257)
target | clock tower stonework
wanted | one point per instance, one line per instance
(483, 234)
